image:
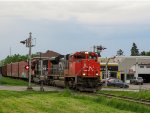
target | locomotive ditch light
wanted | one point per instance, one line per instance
(26, 67)
(83, 74)
(97, 74)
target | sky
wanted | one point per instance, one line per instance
(67, 26)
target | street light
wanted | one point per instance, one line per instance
(28, 43)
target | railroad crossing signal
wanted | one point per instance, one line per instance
(26, 67)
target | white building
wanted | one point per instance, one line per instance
(133, 66)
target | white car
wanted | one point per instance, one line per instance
(137, 80)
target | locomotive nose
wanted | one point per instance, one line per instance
(90, 68)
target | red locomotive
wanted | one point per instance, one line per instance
(79, 71)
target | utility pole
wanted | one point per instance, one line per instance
(29, 44)
(106, 69)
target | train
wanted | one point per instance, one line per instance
(80, 70)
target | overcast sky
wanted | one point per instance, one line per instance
(74, 25)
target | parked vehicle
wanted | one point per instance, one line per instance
(117, 83)
(104, 80)
(137, 80)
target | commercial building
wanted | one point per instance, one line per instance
(125, 68)
(112, 68)
(133, 66)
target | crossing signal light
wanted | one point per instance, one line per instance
(26, 67)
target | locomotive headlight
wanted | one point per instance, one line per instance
(96, 74)
(83, 74)
(86, 52)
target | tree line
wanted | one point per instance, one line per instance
(134, 51)
(15, 58)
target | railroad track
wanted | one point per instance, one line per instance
(129, 99)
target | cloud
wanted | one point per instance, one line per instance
(86, 12)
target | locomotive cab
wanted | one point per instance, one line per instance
(84, 71)
(84, 64)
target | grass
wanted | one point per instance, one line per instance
(138, 95)
(63, 102)
(12, 82)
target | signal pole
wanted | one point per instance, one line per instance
(29, 44)
(98, 49)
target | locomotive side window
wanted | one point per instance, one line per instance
(79, 57)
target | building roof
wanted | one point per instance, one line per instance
(104, 60)
(50, 54)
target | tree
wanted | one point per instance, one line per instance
(134, 50)
(119, 52)
(14, 58)
(143, 53)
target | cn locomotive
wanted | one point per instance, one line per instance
(80, 71)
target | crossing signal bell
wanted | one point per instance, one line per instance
(26, 67)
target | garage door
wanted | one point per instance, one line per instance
(146, 77)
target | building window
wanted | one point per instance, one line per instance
(129, 76)
(141, 66)
(148, 66)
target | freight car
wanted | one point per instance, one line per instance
(79, 71)
(15, 70)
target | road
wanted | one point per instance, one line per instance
(24, 88)
(134, 88)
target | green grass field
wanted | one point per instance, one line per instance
(63, 102)
(12, 82)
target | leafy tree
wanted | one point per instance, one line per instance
(14, 58)
(119, 52)
(144, 53)
(148, 53)
(134, 50)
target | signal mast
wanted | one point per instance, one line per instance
(98, 49)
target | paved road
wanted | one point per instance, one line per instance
(24, 88)
(50, 88)
(134, 88)
(146, 86)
